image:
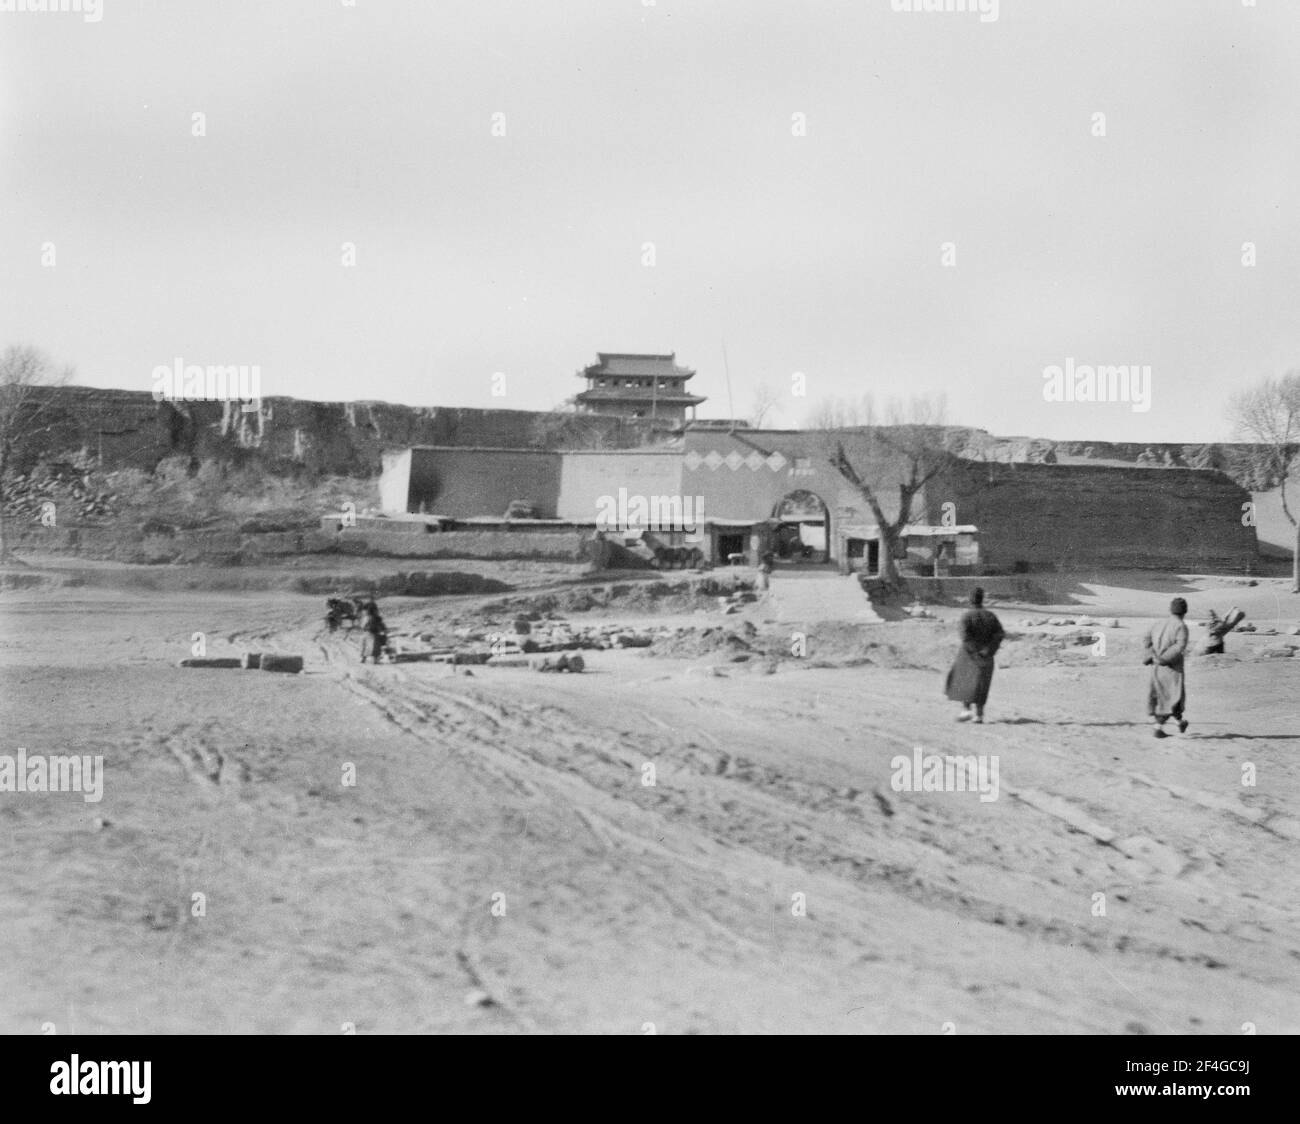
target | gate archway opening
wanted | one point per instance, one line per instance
(801, 523)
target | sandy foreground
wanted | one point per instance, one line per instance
(500, 864)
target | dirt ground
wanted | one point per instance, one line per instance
(502, 864)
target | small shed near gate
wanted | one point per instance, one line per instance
(923, 549)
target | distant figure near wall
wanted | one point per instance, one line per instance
(376, 638)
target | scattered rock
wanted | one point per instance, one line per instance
(630, 640)
(563, 662)
(289, 664)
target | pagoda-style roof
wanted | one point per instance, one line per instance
(618, 364)
(624, 395)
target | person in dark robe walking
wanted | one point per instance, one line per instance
(1166, 645)
(971, 674)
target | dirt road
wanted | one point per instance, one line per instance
(503, 863)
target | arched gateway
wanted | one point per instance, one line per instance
(801, 528)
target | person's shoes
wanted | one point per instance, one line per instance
(965, 716)
(1182, 725)
(1160, 732)
(980, 719)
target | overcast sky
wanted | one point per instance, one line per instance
(629, 123)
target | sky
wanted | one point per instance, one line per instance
(828, 196)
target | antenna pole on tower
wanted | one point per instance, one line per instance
(731, 406)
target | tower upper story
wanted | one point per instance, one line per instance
(638, 386)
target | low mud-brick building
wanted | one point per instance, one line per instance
(750, 491)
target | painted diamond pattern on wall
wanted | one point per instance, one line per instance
(754, 461)
(692, 460)
(714, 459)
(776, 462)
(734, 460)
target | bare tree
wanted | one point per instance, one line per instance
(765, 401)
(26, 411)
(841, 413)
(1268, 415)
(912, 436)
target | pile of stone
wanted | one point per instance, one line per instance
(423, 655)
(549, 644)
(558, 635)
(736, 600)
(1284, 651)
(565, 661)
(1077, 636)
(513, 650)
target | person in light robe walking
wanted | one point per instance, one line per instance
(1166, 645)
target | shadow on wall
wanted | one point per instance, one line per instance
(1065, 588)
